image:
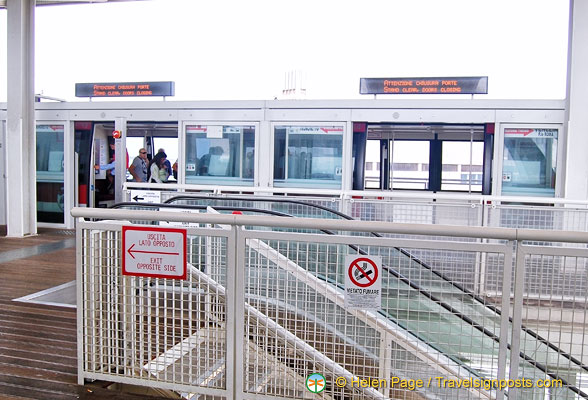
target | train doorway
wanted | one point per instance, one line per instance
(455, 158)
(149, 135)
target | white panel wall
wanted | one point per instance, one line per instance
(576, 180)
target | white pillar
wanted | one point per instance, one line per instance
(576, 177)
(120, 151)
(21, 210)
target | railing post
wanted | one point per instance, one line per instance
(482, 218)
(480, 273)
(504, 317)
(235, 311)
(345, 205)
(80, 325)
(385, 366)
(517, 317)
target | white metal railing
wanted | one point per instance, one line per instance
(415, 207)
(260, 310)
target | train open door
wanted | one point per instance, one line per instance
(101, 179)
(151, 135)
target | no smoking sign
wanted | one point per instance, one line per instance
(363, 284)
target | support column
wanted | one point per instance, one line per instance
(21, 210)
(576, 176)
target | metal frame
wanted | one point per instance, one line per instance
(386, 328)
(116, 226)
(68, 172)
(238, 308)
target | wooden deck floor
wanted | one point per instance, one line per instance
(38, 342)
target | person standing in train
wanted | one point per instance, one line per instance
(167, 165)
(139, 167)
(157, 168)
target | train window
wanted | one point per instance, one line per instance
(461, 168)
(410, 160)
(50, 167)
(372, 174)
(217, 153)
(308, 156)
(529, 164)
(133, 146)
(428, 157)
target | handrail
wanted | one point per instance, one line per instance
(198, 207)
(340, 225)
(258, 199)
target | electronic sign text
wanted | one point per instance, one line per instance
(452, 85)
(125, 89)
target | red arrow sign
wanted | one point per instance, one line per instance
(327, 130)
(524, 132)
(155, 252)
(148, 252)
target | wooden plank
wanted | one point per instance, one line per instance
(31, 355)
(7, 397)
(41, 320)
(46, 390)
(29, 393)
(67, 369)
(37, 373)
(47, 334)
(41, 310)
(14, 342)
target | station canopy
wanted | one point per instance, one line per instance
(66, 2)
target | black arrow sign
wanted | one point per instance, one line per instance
(137, 198)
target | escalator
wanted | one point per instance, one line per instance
(427, 307)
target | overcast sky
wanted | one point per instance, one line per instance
(227, 49)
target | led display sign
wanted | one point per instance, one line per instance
(125, 89)
(462, 85)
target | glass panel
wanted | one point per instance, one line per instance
(280, 154)
(214, 154)
(462, 166)
(410, 164)
(50, 163)
(529, 164)
(372, 165)
(312, 157)
(133, 146)
(248, 167)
